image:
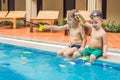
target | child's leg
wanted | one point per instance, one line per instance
(68, 53)
(76, 54)
(92, 57)
(61, 52)
(96, 53)
(85, 52)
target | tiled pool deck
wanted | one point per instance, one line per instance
(54, 37)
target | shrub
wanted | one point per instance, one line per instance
(111, 27)
(5, 23)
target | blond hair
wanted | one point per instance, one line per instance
(72, 12)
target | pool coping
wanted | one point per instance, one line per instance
(51, 42)
(113, 55)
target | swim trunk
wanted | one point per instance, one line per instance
(75, 45)
(88, 51)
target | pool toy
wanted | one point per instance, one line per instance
(81, 60)
(41, 27)
(27, 52)
(79, 18)
(88, 63)
(23, 57)
(64, 20)
(81, 22)
(84, 58)
(23, 62)
(72, 63)
(63, 66)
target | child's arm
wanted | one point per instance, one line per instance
(84, 22)
(104, 46)
(84, 40)
(57, 28)
(88, 25)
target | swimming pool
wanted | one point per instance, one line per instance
(22, 63)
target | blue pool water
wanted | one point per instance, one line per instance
(21, 63)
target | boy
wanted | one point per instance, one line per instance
(98, 42)
(77, 34)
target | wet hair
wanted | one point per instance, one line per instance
(96, 13)
(73, 12)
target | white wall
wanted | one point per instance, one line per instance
(20, 5)
(4, 6)
(81, 4)
(54, 5)
(113, 10)
(99, 5)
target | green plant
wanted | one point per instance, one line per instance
(111, 27)
(19, 23)
(5, 22)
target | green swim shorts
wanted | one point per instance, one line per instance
(88, 51)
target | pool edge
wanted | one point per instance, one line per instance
(112, 57)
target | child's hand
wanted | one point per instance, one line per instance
(105, 55)
(46, 25)
(70, 43)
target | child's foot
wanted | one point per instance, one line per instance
(60, 56)
(72, 63)
(67, 59)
